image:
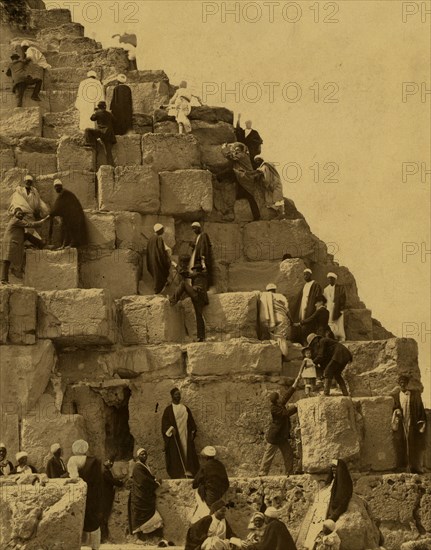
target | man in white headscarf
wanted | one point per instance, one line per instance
(90, 92)
(336, 303)
(55, 467)
(273, 187)
(22, 466)
(89, 469)
(34, 54)
(274, 317)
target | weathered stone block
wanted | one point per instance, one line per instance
(236, 356)
(248, 276)
(270, 240)
(101, 231)
(358, 324)
(224, 196)
(147, 96)
(72, 155)
(47, 19)
(62, 100)
(9, 431)
(186, 193)
(355, 528)
(76, 317)
(127, 151)
(134, 188)
(328, 431)
(7, 157)
(150, 320)
(37, 155)
(166, 127)
(142, 124)
(18, 122)
(290, 280)
(66, 78)
(51, 269)
(117, 271)
(82, 184)
(44, 516)
(25, 373)
(59, 124)
(170, 152)
(377, 364)
(18, 315)
(242, 211)
(52, 35)
(133, 230)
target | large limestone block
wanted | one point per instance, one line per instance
(62, 100)
(270, 240)
(41, 426)
(47, 19)
(101, 231)
(76, 317)
(9, 433)
(51, 269)
(211, 114)
(236, 356)
(52, 35)
(377, 365)
(43, 516)
(134, 188)
(66, 78)
(25, 373)
(18, 315)
(133, 230)
(150, 362)
(290, 280)
(37, 155)
(142, 123)
(378, 451)
(229, 315)
(59, 124)
(224, 195)
(170, 152)
(127, 150)
(150, 320)
(328, 430)
(72, 155)
(356, 529)
(116, 271)
(147, 96)
(358, 324)
(186, 193)
(7, 157)
(82, 184)
(248, 276)
(18, 122)
(210, 138)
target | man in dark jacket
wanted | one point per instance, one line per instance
(104, 131)
(214, 525)
(279, 431)
(331, 356)
(211, 481)
(250, 138)
(109, 482)
(18, 71)
(55, 467)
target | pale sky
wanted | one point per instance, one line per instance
(323, 83)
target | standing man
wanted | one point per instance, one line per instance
(250, 138)
(306, 302)
(158, 259)
(333, 357)
(410, 423)
(336, 303)
(109, 482)
(89, 469)
(19, 72)
(55, 467)
(122, 106)
(279, 431)
(179, 431)
(211, 481)
(276, 535)
(202, 254)
(318, 321)
(69, 209)
(6, 466)
(104, 131)
(90, 93)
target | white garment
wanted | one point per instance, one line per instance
(405, 408)
(30, 203)
(318, 516)
(337, 326)
(192, 259)
(304, 301)
(37, 57)
(201, 509)
(23, 469)
(74, 464)
(181, 417)
(247, 131)
(90, 92)
(217, 528)
(92, 539)
(154, 523)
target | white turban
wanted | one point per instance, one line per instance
(20, 455)
(25, 43)
(140, 451)
(54, 447)
(208, 451)
(271, 286)
(57, 182)
(158, 227)
(2, 446)
(28, 178)
(196, 224)
(122, 78)
(79, 447)
(330, 524)
(331, 274)
(307, 270)
(91, 74)
(272, 512)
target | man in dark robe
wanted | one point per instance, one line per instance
(109, 482)
(202, 254)
(158, 259)
(6, 466)
(331, 356)
(104, 131)
(410, 425)
(55, 467)
(342, 489)
(69, 209)
(305, 304)
(213, 525)
(18, 70)
(122, 106)
(318, 321)
(250, 138)
(278, 435)
(144, 519)
(197, 291)
(211, 481)
(179, 431)
(276, 535)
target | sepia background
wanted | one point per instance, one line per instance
(340, 93)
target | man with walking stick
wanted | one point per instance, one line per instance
(179, 432)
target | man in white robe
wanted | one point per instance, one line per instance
(90, 93)
(336, 303)
(274, 317)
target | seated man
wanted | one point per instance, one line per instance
(211, 532)
(19, 71)
(103, 132)
(276, 535)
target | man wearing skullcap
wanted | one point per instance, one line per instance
(19, 70)
(88, 468)
(202, 252)
(212, 532)
(55, 467)
(6, 467)
(278, 435)
(73, 223)
(327, 539)
(90, 92)
(104, 131)
(274, 317)
(179, 431)
(305, 304)
(158, 258)
(336, 303)
(22, 466)
(211, 481)
(276, 535)
(122, 106)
